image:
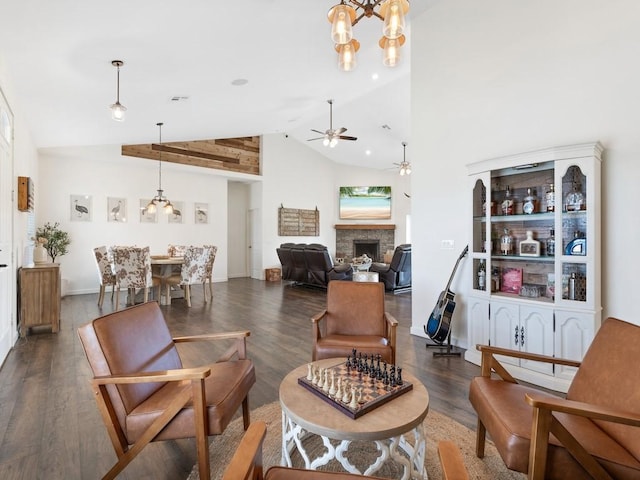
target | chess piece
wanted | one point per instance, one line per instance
(315, 375)
(345, 396)
(325, 385)
(399, 380)
(354, 400)
(332, 388)
(309, 371)
(360, 396)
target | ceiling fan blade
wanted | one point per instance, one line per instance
(317, 138)
(345, 137)
(340, 131)
(318, 131)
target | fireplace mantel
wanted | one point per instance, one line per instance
(363, 226)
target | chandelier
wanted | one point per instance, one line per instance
(347, 13)
(405, 167)
(117, 109)
(160, 201)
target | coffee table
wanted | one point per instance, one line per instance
(395, 427)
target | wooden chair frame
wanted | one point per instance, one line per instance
(544, 422)
(196, 391)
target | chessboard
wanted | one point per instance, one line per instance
(368, 385)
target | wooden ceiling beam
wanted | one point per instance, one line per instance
(229, 154)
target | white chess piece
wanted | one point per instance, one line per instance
(332, 389)
(325, 385)
(309, 371)
(345, 396)
(354, 400)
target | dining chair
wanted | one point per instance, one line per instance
(105, 272)
(193, 271)
(209, 278)
(176, 250)
(132, 268)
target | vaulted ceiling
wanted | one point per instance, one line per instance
(208, 70)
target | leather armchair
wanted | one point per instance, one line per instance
(299, 273)
(320, 267)
(592, 433)
(354, 318)
(396, 276)
(246, 463)
(144, 393)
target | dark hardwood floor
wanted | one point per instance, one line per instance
(49, 423)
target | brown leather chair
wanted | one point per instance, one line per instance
(145, 394)
(396, 276)
(354, 318)
(246, 463)
(592, 433)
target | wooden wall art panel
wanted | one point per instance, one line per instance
(295, 222)
(230, 154)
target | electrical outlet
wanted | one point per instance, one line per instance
(447, 244)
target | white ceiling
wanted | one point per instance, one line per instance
(58, 57)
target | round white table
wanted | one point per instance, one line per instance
(395, 427)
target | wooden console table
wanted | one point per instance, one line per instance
(39, 297)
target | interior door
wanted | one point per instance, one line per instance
(7, 319)
(255, 243)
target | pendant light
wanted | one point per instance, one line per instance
(160, 201)
(117, 109)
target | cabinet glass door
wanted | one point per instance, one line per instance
(574, 232)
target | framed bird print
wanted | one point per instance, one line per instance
(178, 213)
(201, 213)
(81, 208)
(116, 209)
(145, 215)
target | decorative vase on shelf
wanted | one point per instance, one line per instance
(40, 254)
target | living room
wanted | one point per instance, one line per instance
(487, 80)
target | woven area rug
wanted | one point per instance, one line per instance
(437, 427)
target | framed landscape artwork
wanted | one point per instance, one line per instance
(365, 203)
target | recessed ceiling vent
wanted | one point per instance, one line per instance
(179, 98)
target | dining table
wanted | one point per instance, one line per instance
(163, 265)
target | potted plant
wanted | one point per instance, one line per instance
(56, 242)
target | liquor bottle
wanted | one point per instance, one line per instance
(574, 201)
(495, 280)
(508, 203)
(506, 243)
(550, 197)
(551, 243)
(530, 247)
(530, 203)
(482, 275)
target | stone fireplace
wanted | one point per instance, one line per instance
(352, 240)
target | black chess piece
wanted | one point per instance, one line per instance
(399, 381)
(392, 376)
(348, 364)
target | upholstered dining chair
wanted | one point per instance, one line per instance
(354, 318)
(105, 272)
(246, 463)
(145, 394)
(213, 250)
(132, 269)
(193, 271)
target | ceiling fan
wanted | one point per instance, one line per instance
(330, 137)
(404, 167)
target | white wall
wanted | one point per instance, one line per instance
(297, 177)
(500, 77)
(102, 172)
(238, 206)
